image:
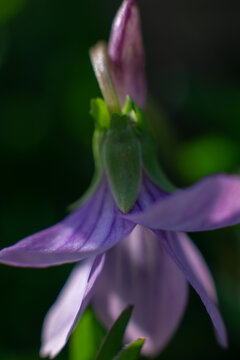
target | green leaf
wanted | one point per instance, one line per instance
(122, 158)
(86, 338)
(113, 342)
(132, 351)
(100, 113)
(9, 8)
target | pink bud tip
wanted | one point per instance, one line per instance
(126, 54)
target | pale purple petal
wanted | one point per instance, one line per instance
(69, 306)
(211, 203)
(199, 266)
(88, 231)
(126, 54)
(139, 271)
(173, 243)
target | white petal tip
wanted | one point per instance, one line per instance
(47, 352)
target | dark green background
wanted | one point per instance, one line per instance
(46, 83)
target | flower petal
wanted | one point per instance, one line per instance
(138, 271)
(211, 203)
(90, 230)
(175, 244)
(69, 306)
(199, 266)
(127, 54)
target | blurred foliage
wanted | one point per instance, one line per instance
(46, 84)
(9, 8)
(87, 343)
(207, 154)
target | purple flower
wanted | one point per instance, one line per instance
(155, 260)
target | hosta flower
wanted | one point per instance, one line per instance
(128, 235)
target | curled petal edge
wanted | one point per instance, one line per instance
(69, 306)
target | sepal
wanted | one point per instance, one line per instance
(152, 167)
(148, 147)
(122, 160)
(100, 113)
